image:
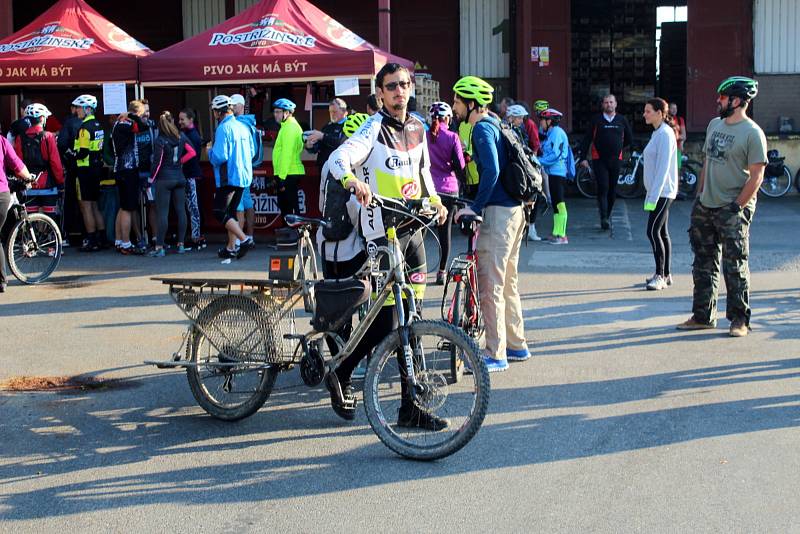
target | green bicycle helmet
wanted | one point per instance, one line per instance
(541, 105)
(353, 122)
(474, 88)
(740, 86)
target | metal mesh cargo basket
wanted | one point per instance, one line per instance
(245, 325)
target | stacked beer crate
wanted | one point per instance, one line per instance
(427, 92)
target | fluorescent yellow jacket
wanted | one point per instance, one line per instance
(465, 134)
(288, 147)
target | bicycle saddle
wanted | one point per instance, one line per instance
(296, 221)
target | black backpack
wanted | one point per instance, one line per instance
(33, 158)
(334, 210)
(522, 176)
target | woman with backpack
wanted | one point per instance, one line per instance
(447, 162)
(555, 146)
(172, 150)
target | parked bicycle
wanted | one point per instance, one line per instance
(630, 183)
(584, 178)
(777, 176)
(32, 240)
(242, 334)
(687, 177)
(461, 307)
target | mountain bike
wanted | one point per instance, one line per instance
(630, 183)
(242, 334)
(461, 308)
(777, 176)
(32, 240)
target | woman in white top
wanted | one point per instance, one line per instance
(661, 183)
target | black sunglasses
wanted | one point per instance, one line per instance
(392, 86)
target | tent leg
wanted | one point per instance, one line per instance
(136, 91)
(372, 85)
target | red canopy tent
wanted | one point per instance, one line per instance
(69, 44)
(275, 41)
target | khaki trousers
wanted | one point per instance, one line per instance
(498, 255)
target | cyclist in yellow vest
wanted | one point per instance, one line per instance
(471, 170)
(89, 162)
(286, 156)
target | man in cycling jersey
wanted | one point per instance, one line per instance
(390, 150)
(502, 230)
(89, 157)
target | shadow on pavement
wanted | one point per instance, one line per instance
(109, 430)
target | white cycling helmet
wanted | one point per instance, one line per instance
(440, 110)
(221, 103)
(84, 101)
(37, 110)
(516, 111)
(237, 99)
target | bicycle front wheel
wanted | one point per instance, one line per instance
(405, 425)
(230, 379)
(777, 186)
(585, 182)
(34, 248)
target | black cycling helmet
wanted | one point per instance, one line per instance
(745, 88)
(737, 86)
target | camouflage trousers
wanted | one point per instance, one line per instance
(724, 232)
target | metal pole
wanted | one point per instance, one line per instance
(385, 25)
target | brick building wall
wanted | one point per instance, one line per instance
(777, 97)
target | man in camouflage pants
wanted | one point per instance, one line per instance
(735, 157)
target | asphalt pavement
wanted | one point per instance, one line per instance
(619, 423)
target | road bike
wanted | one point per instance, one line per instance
(460, 305)
(32, 241)
(243, 333)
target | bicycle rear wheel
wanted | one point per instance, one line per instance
(230, 381)
(34, 248)
(777, 186)
(462, 404)
(585, 182)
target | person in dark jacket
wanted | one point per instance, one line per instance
(608, 134)
(66, 144)
(324, 142)
(172, 151)
(126, 172)
(191, 170)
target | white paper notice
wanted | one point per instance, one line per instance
(345, 86)
(114, 100)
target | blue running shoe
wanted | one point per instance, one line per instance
(517, 355)
(492, 365)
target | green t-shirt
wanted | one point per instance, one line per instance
(730, 150)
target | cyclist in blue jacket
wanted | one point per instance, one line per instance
(555, 146)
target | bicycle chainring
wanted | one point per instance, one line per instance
(312, 367)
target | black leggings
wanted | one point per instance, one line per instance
(606, 172)
(444, 231)
(5, 202)
(658, 234)
(556, 184)
(538, 205)
(287, 195)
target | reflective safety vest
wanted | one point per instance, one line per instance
(465, 134)
(90, 140)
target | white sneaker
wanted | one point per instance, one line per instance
(667, 279)
(657, 283)
(532, 235)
